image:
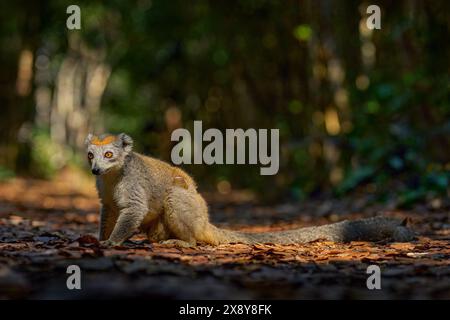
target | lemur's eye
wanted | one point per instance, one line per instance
(90, 155)
(108, 154)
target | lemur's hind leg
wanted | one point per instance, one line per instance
(157, 231)
(186, 215)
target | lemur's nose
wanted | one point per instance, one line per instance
(96, 171)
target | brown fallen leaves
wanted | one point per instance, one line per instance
(38, 241)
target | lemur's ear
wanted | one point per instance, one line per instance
(88, 139)
(126, 142)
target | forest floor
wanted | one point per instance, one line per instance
(47, 226)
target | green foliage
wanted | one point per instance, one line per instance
(303, 32)
(264, 64)
(47, 156)
(355, 178)
(6, 174)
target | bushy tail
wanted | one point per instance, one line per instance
(371, 229)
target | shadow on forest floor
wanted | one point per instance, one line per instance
(47, 226)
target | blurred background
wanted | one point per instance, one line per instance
(358, 110)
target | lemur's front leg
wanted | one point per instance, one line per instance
(132, 211)
(108, 219)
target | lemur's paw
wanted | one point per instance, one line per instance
(109, 243)
(178, 243)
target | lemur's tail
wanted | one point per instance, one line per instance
(371, 229)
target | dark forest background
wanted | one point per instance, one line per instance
(357, 109)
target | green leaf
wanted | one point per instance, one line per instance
(303, 32)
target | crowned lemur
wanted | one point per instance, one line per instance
(140, 193)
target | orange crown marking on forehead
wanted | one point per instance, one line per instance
(106, 140)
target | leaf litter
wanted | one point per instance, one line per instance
(45, 226)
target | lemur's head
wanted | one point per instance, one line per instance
(106, 151)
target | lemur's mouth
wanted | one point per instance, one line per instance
(99, 172)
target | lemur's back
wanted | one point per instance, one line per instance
(166, 173)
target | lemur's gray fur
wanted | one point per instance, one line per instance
(140, 193)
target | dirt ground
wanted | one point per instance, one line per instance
(47, 226)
